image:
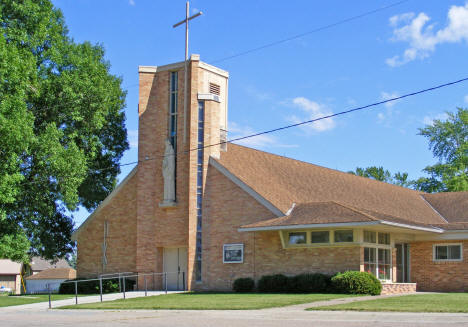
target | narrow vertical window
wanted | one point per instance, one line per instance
(173, 110)
(200, 153)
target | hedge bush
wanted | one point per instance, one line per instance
(92, 286)
(243, 285)
(278, 283)
(356, 282)
(310, 283)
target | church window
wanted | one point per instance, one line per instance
(320, 237)
(370, 237)
(343, 236)
(173, 110)
(384, 238)
(298, 238)
(200, 153)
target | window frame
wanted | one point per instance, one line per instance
(307, 238)
(233, 244)
(377, 264)
(344, 230)
(320, 230)
(434, 246)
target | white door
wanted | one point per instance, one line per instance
(175, 267)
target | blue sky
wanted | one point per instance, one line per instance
(411, 46)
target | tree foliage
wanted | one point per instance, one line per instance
(62, 127)
(383, 175)
(448, 141)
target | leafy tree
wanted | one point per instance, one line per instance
(71, 259)
(448, 141)
(62, 128)
(383, 175)
(15, 247)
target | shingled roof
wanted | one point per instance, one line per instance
(453, 206)
(54, 273)
(283, 181)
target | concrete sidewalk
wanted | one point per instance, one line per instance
(81, 299)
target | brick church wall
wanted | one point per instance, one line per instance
(120, 213)
(226, 208)
(449, 276)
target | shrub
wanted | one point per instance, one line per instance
(310, 283)
(274, 283)
(356, 282)
(243, 285)
(92, 286)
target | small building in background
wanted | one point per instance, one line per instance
(10, 276)
(41, 281)
(39, 264)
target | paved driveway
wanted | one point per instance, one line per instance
(287, 316)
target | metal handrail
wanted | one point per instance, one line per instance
(100, 279)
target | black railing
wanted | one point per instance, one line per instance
(122, 277)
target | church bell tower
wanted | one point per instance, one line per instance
(175, 142)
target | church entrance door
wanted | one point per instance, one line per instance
(175, 265)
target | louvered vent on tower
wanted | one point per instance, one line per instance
(214, 89)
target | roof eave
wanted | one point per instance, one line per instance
(348, 224)
(288, 227)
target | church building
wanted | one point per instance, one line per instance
(208, 212)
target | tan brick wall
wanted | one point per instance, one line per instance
(226, 208)
(153, 227)
(438, 276)
(120, 213)
(398, 288)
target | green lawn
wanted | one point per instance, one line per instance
(209, 301)
(6, 301)
(446, 302)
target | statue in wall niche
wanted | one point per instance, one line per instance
(168, 171)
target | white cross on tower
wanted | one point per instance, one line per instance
(186, 22)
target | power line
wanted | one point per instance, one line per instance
(318, 29)
(294, 125)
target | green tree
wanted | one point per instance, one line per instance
(383, 175)
(448, 141)
(71, 259)
(62, 128)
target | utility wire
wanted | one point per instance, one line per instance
(318, 29)
(310, 121)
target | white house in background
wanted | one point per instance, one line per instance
(40, 282)
(10, 276)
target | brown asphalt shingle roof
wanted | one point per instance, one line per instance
(316, 213)
(55, 273)
(39, 264)
(283, 181)
(453, 206)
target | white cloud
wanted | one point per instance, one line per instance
(131, 2)
(260, 141)
(429, 120)
(312, 110)
(387, 96)
(422, 38)
(132, 135)
(466, 98)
